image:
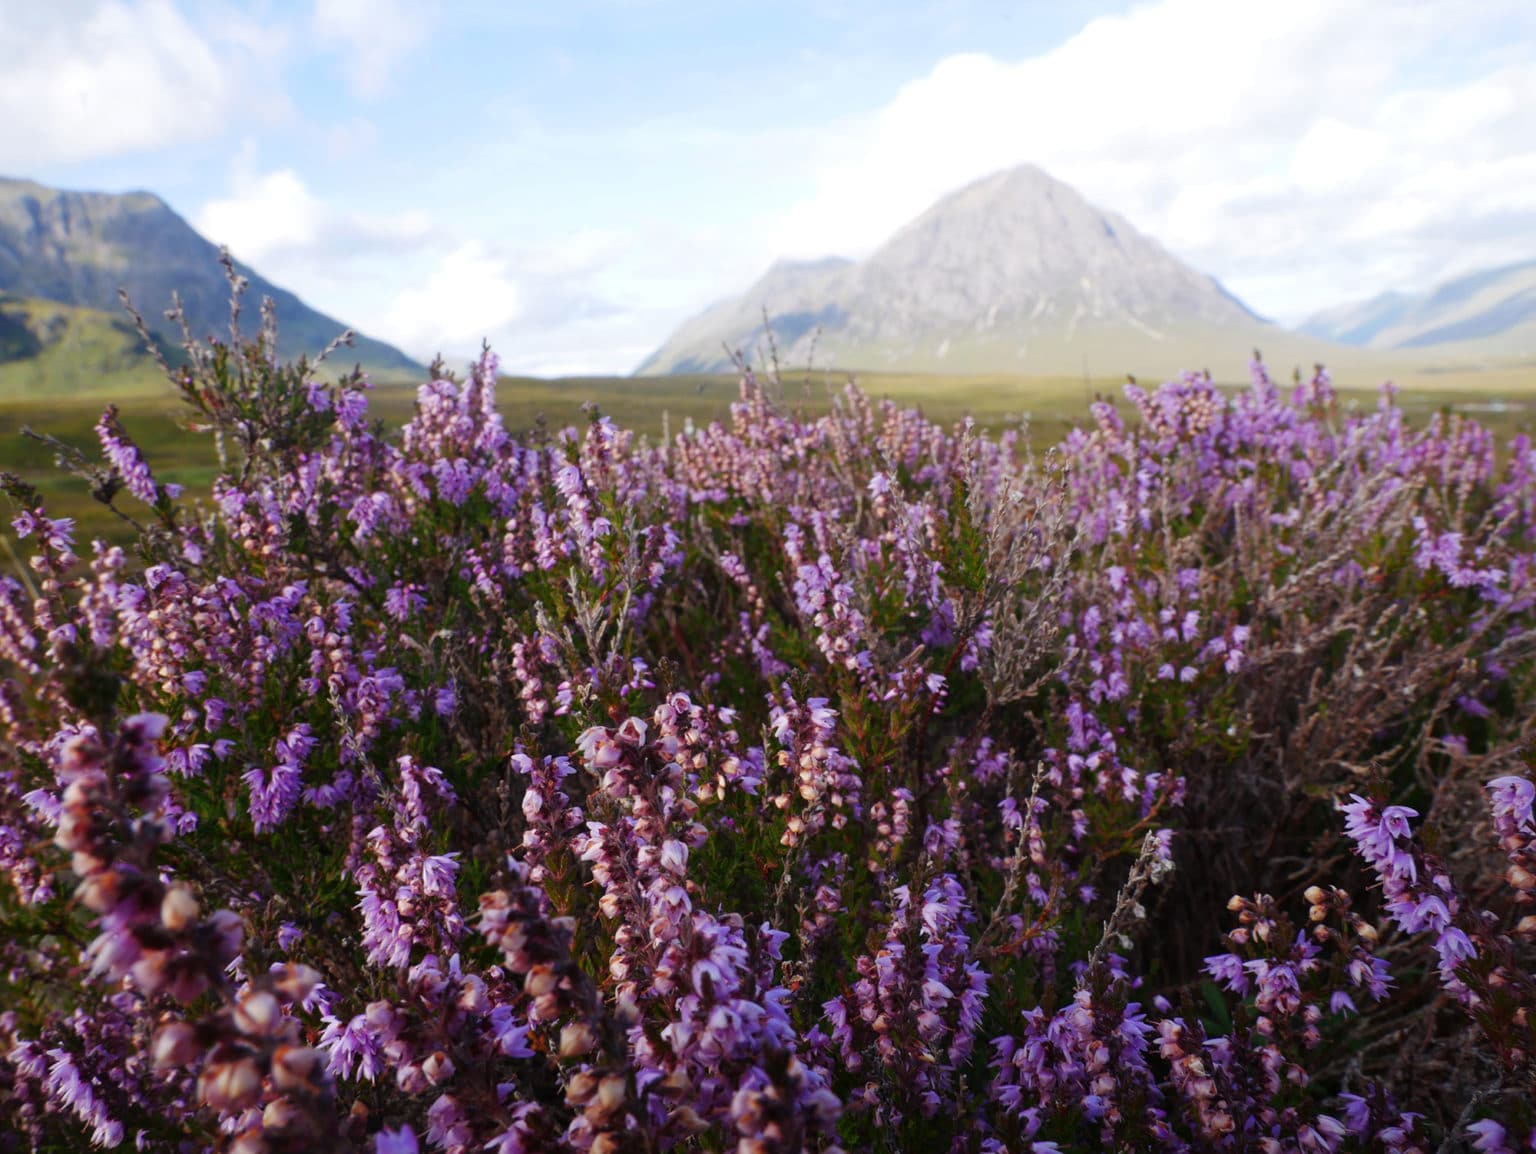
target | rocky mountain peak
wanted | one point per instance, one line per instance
(1015, 260)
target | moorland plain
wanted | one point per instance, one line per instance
(1500, 395)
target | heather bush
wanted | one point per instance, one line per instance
(837, 783)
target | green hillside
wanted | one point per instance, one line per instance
(80, 248)
(56, 350)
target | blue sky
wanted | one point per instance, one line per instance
(573, 179)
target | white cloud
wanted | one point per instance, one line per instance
(347, 264)
(274, 222)
(276, 213)
(373, 36)
(470, 294)
(86, 80)
(1291, 150)
(570, 303)
(1333, 155)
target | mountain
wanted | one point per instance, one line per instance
(1495, 309)
(56, 350)
(1015, 273)
(1358, 322)
(78, 248)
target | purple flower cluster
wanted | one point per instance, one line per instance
(1418, 894)
(128, 464)
(915, 1011)
(775, 787)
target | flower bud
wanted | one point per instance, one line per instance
(297, 1068)
(610, 1095)
(100, 891)
(249, 1141)
(280, 1114)
(175, 1045)
(472, 996)
(380, 1016)
(296, 982)
(576, 1038)
(83, 864)
(80, 795)
(230, 1086)
(541, 980)
(677, 1082)
(580, 1089)
(258, 1013)
(149, 971)
(438, 1068)
(411, 1079)
(626, 1010)
(178, 909)
(75, 830)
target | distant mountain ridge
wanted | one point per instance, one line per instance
(78, 248)
(1016, 271)
(1495, 307)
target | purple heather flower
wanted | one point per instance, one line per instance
(1376, 836)
(1229, 970)
(126, 459)
(438, 873)
(402, 1141)
(1491, 1137)
(1513, 801)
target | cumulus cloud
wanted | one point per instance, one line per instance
(373, 36)
(274, 221)
(610, 342)
(346, 263)
(1302, 152)
(564, 304)
(84, 80)
(469, 294)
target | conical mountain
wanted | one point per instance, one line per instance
(78, 248)
(1016, 272)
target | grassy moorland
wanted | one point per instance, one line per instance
(1502, 396)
